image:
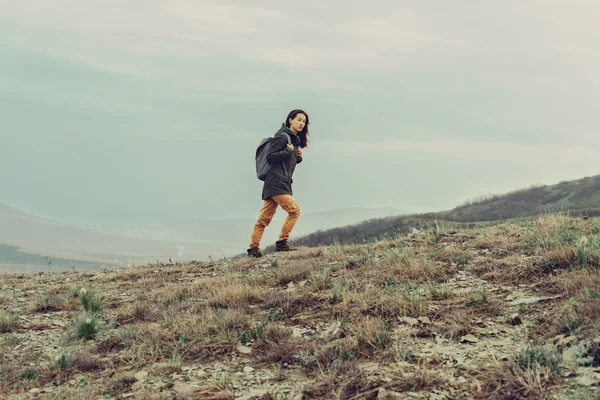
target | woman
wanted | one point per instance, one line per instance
(284, 154)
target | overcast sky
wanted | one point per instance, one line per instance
(141, 111)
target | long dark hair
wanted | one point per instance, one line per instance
(303, 134)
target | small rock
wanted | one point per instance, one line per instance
(531, 300)
(141, 376)
(201, 373)
(368, 367)
(182, 389)
(514, 319)
(290, 287)
(244, 349)
(332, 331)
(58, 323)
(34, 390)
(127, 395)
(385, 394)
(424, 320)
(409, 320)
(248, 370)
(588, 380)
(254, 394)
(302, 283)
(297, 332)
(469, 339)
(569, 356)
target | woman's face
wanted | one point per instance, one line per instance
(297, 123)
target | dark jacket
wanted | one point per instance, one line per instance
(283, 163)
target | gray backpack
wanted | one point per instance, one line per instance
(262, 166)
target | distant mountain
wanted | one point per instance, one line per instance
(579, 197)
(32, 235)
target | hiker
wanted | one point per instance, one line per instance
(284, 153)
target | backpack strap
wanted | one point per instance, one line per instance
(284, 162)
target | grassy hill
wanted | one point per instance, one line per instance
(578, 197)
(502, 312)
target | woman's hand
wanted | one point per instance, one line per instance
(299, 152)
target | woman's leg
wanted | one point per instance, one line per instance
(264, 218)
(288, 203)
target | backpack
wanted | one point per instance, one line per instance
(262, 166)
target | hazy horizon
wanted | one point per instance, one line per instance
(148, 112)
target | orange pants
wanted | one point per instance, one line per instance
(267, 212)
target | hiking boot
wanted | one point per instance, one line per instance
(282, 245)
(254, 252)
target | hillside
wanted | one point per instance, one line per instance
(578, 197)
(502, 312)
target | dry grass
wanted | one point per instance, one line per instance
(137, 312)
(233, 295)
(371, 334)
(292, 273)
(51, 302)
(457, 322)
(174, 316)
(8, 321)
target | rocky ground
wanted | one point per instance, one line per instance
(500, 313)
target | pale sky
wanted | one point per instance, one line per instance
(131, 112)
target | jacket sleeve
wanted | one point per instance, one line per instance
(299, 160)
(279, 150)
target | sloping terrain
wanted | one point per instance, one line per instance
(578, 197)
(504, 312)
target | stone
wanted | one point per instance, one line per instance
(253, 394)
(385, 394)
(514, 319)
(58, 323)
(469, 339)
(34, 390)
(183, 389)
(588, 380)
(569, 357)
(127, 395)
(532, 300)
(409, 320)
(290, 287)
(297, 332)
(248, 370)
(201, 373)
(424, 320)
(141, 376)
(368, 367)
(332, 331)
(244, 349)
